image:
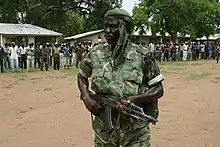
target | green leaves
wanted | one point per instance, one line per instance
(192, 17)
(69, 17)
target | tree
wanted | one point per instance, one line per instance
(193, 17)
(66, 16)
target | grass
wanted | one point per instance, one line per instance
(198, 76)
(171, 67)
(217, 78)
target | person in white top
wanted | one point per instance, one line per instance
(30, 56)
(23, 61)
(14, 57)
(185, 51)
(152, 49)
(202, 51)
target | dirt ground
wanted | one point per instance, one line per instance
(42, 109)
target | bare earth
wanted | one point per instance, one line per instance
(42, 109)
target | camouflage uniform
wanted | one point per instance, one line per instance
(45, 54)
(131, 76)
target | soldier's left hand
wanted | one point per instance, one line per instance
(122, 107)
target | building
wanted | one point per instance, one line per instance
(148, 37)
(211, 38)
(92, 36)
(25, 33)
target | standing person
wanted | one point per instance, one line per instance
(185, 51)
(158, 52)
(30, 56)
(123, 72)
(202, 51)
(79, 54)
(198, 49)
(56, 55)
(45, 54)
(50, 62)
(71, 52)
(2, 56)
(66, 56)
(166, 53)
(152, 49)
(194, 52)
(217, 53)
(14, 57)
(37, 55)
(180, 52)
(7, 62)
(23, 57)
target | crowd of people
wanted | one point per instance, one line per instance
(184, 51)
(41, 56)
(44, 56)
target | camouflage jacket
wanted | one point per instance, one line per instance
(46, 52)
(133, 76)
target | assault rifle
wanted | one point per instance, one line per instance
(109, 104)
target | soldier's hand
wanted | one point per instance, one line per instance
(122, 107)
(91, 105)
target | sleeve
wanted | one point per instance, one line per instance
(85, 66)
(152, 73)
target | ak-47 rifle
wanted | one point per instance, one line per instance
(109, 103)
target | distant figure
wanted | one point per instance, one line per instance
(56, 55)
(2, 55)
(30, 56)
(14, 57)
(7, 62)
(66, 56)
(37, 55)
(217, 53)
(79, 54)
(185, 51)
(45, 57)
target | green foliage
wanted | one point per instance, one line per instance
(69, 17)
(194, 17)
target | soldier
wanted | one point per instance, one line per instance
(2, 55)
(79, 54)
(45, 54)
(37, 55)
(125, 72)
(56, 55)
(30, 56)
(217, 53)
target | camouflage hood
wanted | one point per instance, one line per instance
(125, 29)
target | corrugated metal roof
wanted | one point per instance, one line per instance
(212, 37)
(25, 29)
(83, 35)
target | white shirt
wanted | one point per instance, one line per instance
(29, 51)
(202, 48)
(21, 50)
(185, 47)
(152, 47)
(14, 52)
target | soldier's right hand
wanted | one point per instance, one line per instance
(91, 105)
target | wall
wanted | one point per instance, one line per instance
(3, 40)
(93, 38)
(31, 39)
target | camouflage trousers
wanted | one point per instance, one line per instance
(125, 134)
